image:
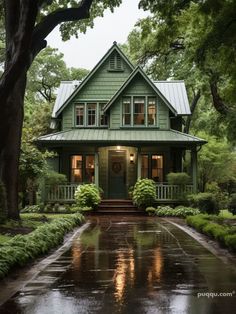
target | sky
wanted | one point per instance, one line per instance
(89, 48)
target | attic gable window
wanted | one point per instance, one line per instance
(115, 63)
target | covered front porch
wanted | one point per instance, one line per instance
(115, 159)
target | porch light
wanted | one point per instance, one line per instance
(118, 147)
(131, 158)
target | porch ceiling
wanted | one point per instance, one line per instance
(122, 136)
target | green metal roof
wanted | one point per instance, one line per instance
(121, 136)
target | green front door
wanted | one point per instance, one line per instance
(117, 175)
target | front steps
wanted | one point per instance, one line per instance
(117, 206)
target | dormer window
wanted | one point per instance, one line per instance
(115, 63)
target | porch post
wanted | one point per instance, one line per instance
(194, 168)
(139, 164)
(96, 169)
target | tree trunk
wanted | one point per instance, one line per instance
(10, 147)
(192, 108)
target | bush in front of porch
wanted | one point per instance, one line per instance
(144, 193)
(87, 196)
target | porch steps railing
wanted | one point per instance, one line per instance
(165, 192)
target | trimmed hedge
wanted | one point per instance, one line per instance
(207, 224)
(23, 248)
(167, 211)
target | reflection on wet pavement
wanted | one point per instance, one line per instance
(130, 265)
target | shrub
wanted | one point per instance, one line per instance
(181, 179)
(150, 210)
(23, 248)
(180, 211)
(178, 178)
(76, 209)
(144, 193)
(206, 202)
(54, 178)
(232, 204)
(230, 241)
(87, 195)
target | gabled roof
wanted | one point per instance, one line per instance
(175, 93)
(121, 136)
(66, 88)
(91, 73)
(138, 70)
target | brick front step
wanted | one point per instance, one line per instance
(117, 206)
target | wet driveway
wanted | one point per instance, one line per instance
(131, 265)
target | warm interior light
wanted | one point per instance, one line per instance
(131, 158)
(118, 147)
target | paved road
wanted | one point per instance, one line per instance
(130, 265)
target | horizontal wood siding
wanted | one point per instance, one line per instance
(115, 114)
(67, 118)
(101, 86)
(163, 115)
(138, 86)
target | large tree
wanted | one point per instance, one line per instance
(192, 40)
(27, 23)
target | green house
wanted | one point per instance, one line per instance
(118, 125)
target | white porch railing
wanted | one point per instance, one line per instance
(170, 192)
(60, 193)
(165, 192)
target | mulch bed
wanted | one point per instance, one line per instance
(15, 231)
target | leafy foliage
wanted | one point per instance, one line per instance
(87, 195)
(144, 193)
(167, 211)
(205, 223)
(23, 248)
(206, 202)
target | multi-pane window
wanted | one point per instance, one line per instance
(91, 114)
(139, 111)
(82, 168)
(79, 113)
(157, 168)
(152, 167)
(89, 169)
(126, 111)
(151, 111)
(103, 116)
(77, 169)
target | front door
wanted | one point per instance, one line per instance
(117, 175)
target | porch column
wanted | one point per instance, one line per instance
(139, 164)
(194, 168)
(96, 169)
